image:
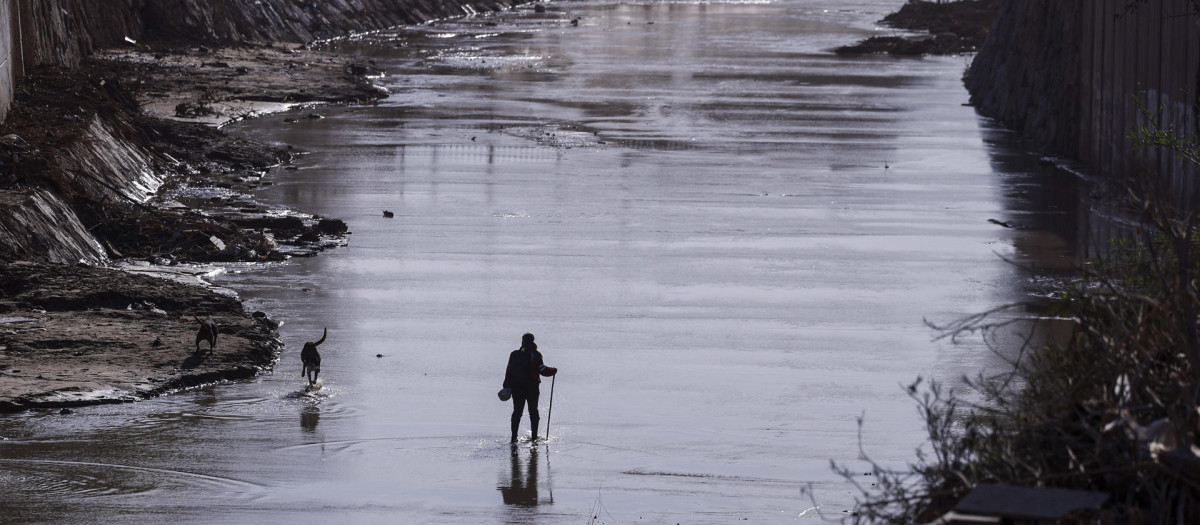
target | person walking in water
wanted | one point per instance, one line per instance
(521, 378)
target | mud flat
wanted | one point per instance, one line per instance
(218, 85)
(74, 331)
(72, 336)
(947, 28)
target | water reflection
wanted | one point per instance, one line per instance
(521, 487)
(310, 415)
(1043, 205)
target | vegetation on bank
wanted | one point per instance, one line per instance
(1112, 407)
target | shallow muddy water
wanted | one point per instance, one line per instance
(726, 237)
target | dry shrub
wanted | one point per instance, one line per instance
(1111, 408)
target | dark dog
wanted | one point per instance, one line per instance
(207, 332)
(312, 360)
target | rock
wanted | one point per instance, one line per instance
(193, 110)
(361, 69)
(275, 224)
(309, 237)
(262, 319)
(332, 226)
(262, 242)
(14, 141)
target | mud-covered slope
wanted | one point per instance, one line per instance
(288, 20)
(63, 32)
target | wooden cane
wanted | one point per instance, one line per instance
(550, 412)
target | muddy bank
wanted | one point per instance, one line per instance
(72, 336)
(215, 85)
(952, 27)
(65, 33)
(106, 162)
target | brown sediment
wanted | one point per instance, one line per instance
(949, 27)
(72, 336)
(217, 85)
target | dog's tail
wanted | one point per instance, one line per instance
(323, 334)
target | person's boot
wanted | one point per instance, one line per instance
(516, 425)
(533, 423)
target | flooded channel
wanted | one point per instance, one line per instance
(726, 237)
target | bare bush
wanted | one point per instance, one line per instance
(1112, 407)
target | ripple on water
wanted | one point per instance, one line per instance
(270, 406)
(51, 480)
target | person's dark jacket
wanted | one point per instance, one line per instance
(524, 368)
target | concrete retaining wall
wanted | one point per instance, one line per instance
(1069, 74)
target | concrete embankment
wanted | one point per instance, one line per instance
(1071, 74)
(105, 161)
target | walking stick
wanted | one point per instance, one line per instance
(551, 411)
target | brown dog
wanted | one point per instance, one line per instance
(312, 359)
(207, 332)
